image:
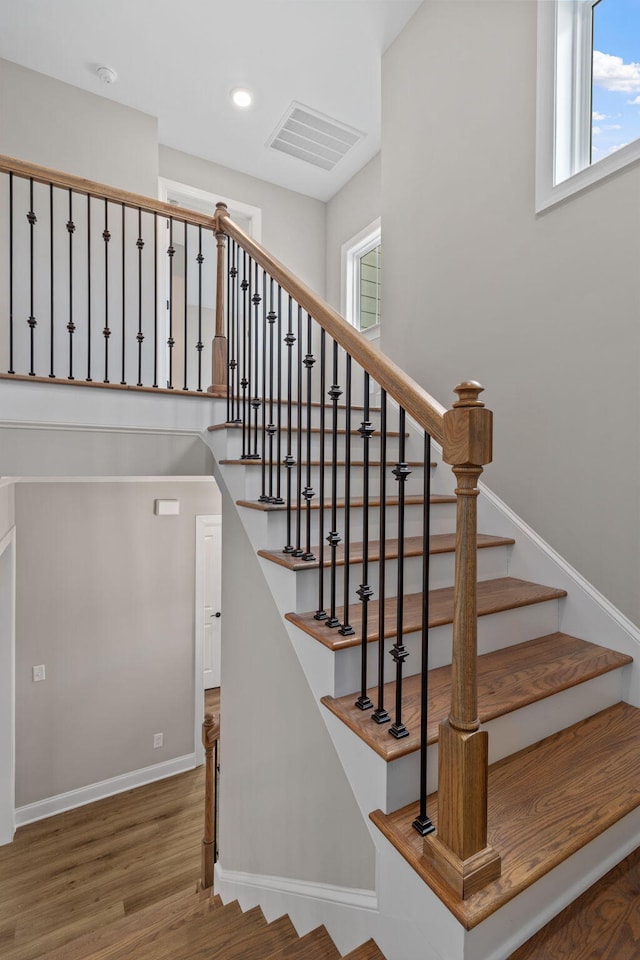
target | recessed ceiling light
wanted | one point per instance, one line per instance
(242, 98)
(107, 74)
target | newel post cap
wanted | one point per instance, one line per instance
(220, 214)
(468, 428)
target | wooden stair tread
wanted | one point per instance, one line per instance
(259, 944)
(411, 500)
(366, 951)
(133, 928)
(545, 803)
(316, 945)
(494, 596)
(438, 543)
(508, 679)
(328, 463)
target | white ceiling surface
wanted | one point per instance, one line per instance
(179, 60)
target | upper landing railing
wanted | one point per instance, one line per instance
(103, 286)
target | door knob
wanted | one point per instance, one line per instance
(217, 614)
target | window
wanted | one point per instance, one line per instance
(362, 272)
(588, 110)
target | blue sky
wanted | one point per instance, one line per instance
(616, 75)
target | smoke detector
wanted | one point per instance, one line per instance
(107, 74)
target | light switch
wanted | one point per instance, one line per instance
(167, 508)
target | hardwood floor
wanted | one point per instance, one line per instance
(78, 871)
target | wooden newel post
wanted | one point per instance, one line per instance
(210, 734)
(219, 354)
(459, 850)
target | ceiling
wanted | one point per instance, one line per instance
(179, 61)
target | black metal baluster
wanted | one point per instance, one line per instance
(88, 292)
(71, 327)
(32, 322)
(234, 340)
(244, 382)
(124, 272)
(264, 496)
(140, 335)
(422, 823)
(289, 460)
(51, 286)
(399, 651)
(229, 314)
(11, 370)
(308, 493)
(365, 592)
(278, 497)
(170, 342)
(333, 538)
(271, 428)
(200, 344)
(185, 385)
(346, 629)
(155, 300)
(321, 613)
(298, 550)
(106, 332)
(380, 715)
(255, 403)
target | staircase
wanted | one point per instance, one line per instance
(188, 926)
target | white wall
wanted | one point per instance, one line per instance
(45, 121)
(293, 226)
(542, 310)
(287, 809)
(105, 600)
(348, 212)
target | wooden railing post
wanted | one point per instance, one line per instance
(210, 734)
(459, 850)
(219, 350)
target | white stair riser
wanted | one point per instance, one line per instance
(253, 481)
(492, 563)
(234, 446)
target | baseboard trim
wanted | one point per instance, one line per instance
(105, 788)
(344, 896)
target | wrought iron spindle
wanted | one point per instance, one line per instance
(346, 629)
(365, 592)
(140, 335)
(321, 613)
(255, 402)
(422, 823)
(234, 341)
(399, 651)
(11, 370)
(51, 287)
(380, 715)
(32, 322)
(106, 331)
(289, 461)
(278, 497)
(298, 550)
(333, 538)
(185, 384)
(155, 299)
(271, 427)
(264, 496)
(170, 342)
(88, 294)
(200, 344)
(71, 327)
(308, 493)
(124, 301)
(244, 382)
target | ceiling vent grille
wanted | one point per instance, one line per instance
(312, 137)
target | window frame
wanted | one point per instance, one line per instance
(355, 248)
(563, 108)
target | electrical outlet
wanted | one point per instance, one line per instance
(38, 673)
(158, 740)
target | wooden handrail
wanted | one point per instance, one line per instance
(409, 394)
(103, 192)
(210, 736)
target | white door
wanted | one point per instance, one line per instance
(209, 596)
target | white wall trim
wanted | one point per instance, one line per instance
(105, 788)
(166, 187)
(8, 699)
(346, 896)
(96, 428)
(6, 481)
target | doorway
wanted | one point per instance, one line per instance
(208, 613)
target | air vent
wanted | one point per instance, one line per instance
(312, 137)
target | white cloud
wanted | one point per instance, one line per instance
(613, 73)
(618, 146)
(596, 130)
(600, 116)
(634, 102)
(612, 126)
